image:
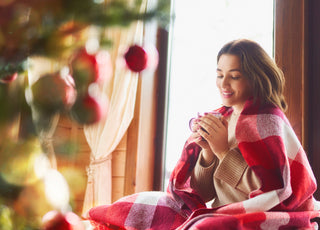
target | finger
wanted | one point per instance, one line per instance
(202, 142)
(208, 127)
(213, 116)
(194, 127)
(211, 119)
(204, 134)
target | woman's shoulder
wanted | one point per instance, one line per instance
(258, 122)
(256, 108)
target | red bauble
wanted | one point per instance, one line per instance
(9, 78)
(55, 220)
(136, 58)
(88, 109)
(84, 69)
(52, 92)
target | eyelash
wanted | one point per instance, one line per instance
(234, 78)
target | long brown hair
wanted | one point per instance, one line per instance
(266, 78)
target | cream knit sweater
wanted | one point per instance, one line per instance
(228, 181)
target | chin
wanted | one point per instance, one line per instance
(227, 104)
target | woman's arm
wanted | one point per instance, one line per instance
(202, 178)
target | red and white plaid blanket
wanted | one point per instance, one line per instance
(270, 147)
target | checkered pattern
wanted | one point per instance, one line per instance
(270, 147)
(145, 210)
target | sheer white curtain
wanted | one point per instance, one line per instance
(104, 137)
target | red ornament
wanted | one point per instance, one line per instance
(55, 220)
(136, 58)
(52, 92)
(84, 69)
(9, 78)
(88, 109)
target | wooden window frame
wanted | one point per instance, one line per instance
(297, 52)
(145, 143)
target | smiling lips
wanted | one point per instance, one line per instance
(227, 94)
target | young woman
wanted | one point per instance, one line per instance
(249, 162)
(244, 71)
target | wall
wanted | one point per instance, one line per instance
(73, 165)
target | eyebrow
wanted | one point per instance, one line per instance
(232, 70)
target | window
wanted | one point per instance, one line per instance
(200, 29)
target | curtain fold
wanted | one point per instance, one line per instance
(105, 136)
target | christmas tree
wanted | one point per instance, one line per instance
(56, 30)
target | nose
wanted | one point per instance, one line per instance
(224, 82)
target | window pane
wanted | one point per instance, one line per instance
(200, 29)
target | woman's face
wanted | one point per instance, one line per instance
(234, 88)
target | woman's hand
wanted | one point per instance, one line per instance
(212, 135)
(207, 155)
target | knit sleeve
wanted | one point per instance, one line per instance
(234, 170)
(202, 179)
